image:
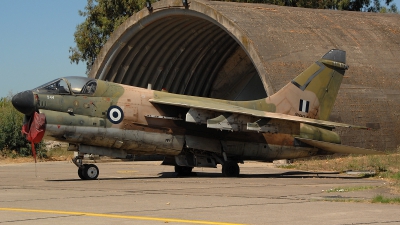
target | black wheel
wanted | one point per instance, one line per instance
(80, 173)
(183, 170)
(230, 169)
(90, 171)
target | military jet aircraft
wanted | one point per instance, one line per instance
(110, 119)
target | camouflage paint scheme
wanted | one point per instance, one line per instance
(117, 120)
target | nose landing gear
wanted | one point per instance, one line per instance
(86, 171)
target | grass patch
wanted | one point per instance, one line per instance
(59, 153)
(378, 163)
(383, 199)
(345, 200)
(52, 152)
(384, 166)
(349, 189)
(396, 176)
(287, 166)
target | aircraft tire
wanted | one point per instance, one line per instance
(90, 171)
(80, 173)
(230, 169)
(183, 170)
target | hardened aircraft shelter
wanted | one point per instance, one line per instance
(241, 51)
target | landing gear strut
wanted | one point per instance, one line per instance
(86, 171)
(230, 169)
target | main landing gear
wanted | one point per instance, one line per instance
(230, 169)
(183, 170)
(86, 171)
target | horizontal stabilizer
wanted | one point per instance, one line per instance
(337, 148)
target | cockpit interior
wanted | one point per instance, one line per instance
(69, 86)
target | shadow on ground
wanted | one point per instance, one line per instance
(290, 174)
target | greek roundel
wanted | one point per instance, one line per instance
(304, 105)
(115, 114)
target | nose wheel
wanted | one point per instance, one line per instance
(86, 171)
(81, 174)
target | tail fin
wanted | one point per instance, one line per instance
(313, 93)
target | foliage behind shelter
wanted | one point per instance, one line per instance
(12, 142)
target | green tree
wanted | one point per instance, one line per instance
(387, 8)
(349, 5)
(102, 17)
(11, 137)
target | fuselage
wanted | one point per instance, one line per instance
(104, 118)
(121, 117)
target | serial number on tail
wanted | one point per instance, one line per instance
(298, 114)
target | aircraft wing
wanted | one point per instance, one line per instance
(222, 107)
(337, 148)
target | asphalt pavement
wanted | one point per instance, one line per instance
(148, 193)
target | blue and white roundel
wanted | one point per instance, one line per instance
(115, 114)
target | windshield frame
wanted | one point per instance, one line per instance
(76, 85)
(43, 89)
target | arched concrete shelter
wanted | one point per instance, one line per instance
(246, 51)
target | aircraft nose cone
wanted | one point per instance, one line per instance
(24, 102)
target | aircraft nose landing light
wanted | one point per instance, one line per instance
(24, 102)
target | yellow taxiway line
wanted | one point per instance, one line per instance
(165, 220)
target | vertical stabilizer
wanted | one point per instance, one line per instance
(313, 93)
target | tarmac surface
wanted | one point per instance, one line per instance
(148, 193)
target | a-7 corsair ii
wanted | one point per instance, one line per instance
(109, 119)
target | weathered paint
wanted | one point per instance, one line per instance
(143, 121)
(99, 117)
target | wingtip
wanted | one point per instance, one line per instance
(336, 55)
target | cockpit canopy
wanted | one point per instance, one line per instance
(68, 85)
